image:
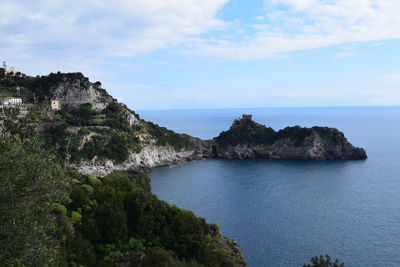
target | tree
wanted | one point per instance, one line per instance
(32, 184)
(323, 261)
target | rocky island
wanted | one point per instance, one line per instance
(248, 139)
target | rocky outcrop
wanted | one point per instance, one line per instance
(233, 250)
(314, 148)
(247, 139)
(74, 91)
(149, 157)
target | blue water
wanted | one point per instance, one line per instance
(282, 212)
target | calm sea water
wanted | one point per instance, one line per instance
(282, 212)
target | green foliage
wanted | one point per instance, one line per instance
(323, 261)
(31, 185)
(93, 180)
(114, 141)
(76, 217)
(116, 117)
(22, 128)
(38, 88)
(61, 208)
(89, 190)
(168, 137)
(129, 225)
(246, 131)
(296, 134)
(107, 145)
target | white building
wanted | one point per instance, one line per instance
(12, 102)
(55, 105)
(6, 69)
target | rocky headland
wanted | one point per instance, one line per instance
(98, 135)
(245, 139)
(248, 139)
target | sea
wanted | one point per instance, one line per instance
(283, 212)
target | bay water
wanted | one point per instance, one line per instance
(283, 212)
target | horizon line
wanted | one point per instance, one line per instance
(282, 107)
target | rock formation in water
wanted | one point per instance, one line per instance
(248, 139)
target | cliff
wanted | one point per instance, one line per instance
(248, 139)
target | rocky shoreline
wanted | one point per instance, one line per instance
(317, 143)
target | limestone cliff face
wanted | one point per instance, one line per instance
(314, 147)
(74, 91)
(149, 157)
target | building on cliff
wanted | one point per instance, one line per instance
(247, 117)
(11, 102)
(6, 69)
(55, 104)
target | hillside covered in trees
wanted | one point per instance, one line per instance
(52, 215)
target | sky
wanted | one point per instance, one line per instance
(192, 54)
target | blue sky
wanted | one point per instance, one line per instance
(184, 54)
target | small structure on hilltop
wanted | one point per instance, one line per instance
(12, 102)
(54, 104)
(11, 70)
(247, 117)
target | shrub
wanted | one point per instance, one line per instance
(76, 217)
(62, 209)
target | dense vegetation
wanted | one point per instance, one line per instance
(246, 131)
(32, 183)
(123, 222)
(109, 136)
(168, 137)
(52, 215)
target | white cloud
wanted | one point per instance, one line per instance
(376, 44)
(347, 51)
(87, 31)
(344, 54)
(296, 4)
(391, 78)
(309, 24)
(70, 35)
